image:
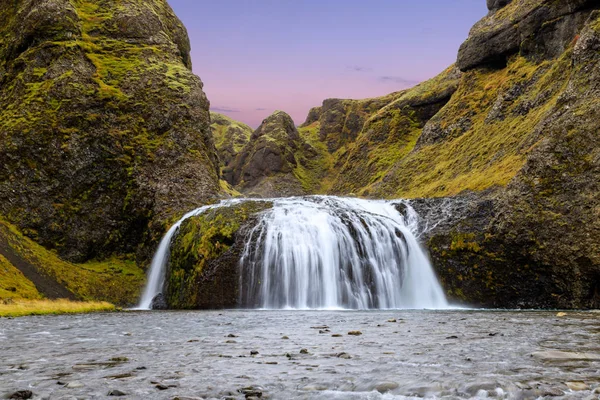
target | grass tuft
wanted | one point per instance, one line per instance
(21, 308)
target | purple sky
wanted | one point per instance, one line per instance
(257, 56)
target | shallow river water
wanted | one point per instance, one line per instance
(303, 355)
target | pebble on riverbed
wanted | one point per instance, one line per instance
(21, 394)
(355, 333)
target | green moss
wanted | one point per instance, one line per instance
(315, 165)
(488, 152)
(13, 284)
(200, 241)
(117, 280)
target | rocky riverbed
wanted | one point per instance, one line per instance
(302, 355)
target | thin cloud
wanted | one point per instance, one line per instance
(358, 68)
(260, 109)
(397, 79)
(225, 109)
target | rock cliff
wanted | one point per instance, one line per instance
(104, 130)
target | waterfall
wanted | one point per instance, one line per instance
(324, 252)
(329, 252)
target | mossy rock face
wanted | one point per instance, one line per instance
(230, 137)
(537, 29)
(265, 166)
(104, 130)
(204, 264)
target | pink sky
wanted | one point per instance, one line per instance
(258, 56)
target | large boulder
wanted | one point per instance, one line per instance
(104, 129)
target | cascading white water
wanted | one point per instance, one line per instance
(330, 252)
(325, 252)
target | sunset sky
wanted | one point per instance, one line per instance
(257, 56)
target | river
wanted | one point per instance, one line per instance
(303, 355)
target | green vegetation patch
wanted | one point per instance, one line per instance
(13, 284)
(117, 280)
(200, 241)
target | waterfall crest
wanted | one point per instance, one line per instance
(324, 252)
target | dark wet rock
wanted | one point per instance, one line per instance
(21, 394)
(285, 338)
(252, 392)
(553, 392)
(186, 398)
(452, 337)
(231, 335)
(116, 393)
(355, 333)
(159, 302)
(161, 387)
(304, 351)
(337, 335)
(253, 352)
(345, 356)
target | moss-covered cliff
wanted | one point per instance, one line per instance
(29, 271)
(535, 242)
(230, 137)
(104, 130)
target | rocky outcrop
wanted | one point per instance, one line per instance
(534, 243)
(266, 165)
(539, 29)
(104, 130)
(230, 137)
(203, 269)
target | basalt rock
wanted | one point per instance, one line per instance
(539, 29)
(104, 130)
(265, 166)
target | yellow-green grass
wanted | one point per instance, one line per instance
(23, 307)
(13, 284)
(117, 280)
(489, 153)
